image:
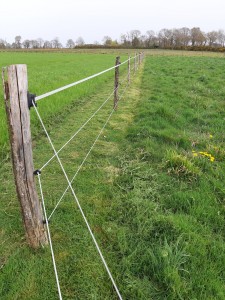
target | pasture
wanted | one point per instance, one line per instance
(152, 188)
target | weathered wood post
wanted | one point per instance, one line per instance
(135, 63)
(18, 116)
(116, 86)
(128, 75)
(139, 59)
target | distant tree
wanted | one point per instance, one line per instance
(2, 44)
(212, 37)
(107, 40)
(80, 41)
(40, 42)
(56, 43)
(221, 37)
(197, 37)
(125, 41)
(34, 44)
(135, 37)
(26, 44)
(151, 39)
(166, 38)
(18, 43)
(185, 36)
(70, 44)
(47, 45)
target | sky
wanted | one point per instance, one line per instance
(94, 19)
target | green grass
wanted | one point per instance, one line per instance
(154, 200)
(48, 71)
(172, 199)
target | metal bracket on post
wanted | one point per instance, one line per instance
(31, 100)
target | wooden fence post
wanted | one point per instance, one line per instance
(128, 76)
(139, 59)
(116, 86)
(135, 63)
(18, 116)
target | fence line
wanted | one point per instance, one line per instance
(85, 158)
(78, 203)
(81, 127)
(15, 90)
(77, 82)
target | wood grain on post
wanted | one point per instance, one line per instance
(18, 116)
(116, 86)
(128, 76)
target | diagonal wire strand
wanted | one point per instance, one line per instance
(88, 153)
(79, 206)
(75, 134)
(49, 237)
(81, 164)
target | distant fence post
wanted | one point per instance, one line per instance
(18, 116)
(135, 62)
(116, 86)
(128, 76)
(139, 59)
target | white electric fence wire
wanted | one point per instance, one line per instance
(81, 165)
(49, 237)
(75, 134)
(78, 130)
(77, 82)
(79, 206)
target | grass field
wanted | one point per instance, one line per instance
(48, 71)
(152, 189)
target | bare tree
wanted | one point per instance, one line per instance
(26, 44)
(221, 37)
(151, 39)
(3, 44)
(70, 44)
(212, 37)
(135, 37)
(185, 35)
(56, 43)
(197, 37)
(107, 40)
(166, 38)
(34, 44)
(80, 41)
(40, 42)
(18, 43)
(47, 45)
(124, 38)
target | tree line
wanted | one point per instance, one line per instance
(178, 38)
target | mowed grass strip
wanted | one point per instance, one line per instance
(29, 274)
